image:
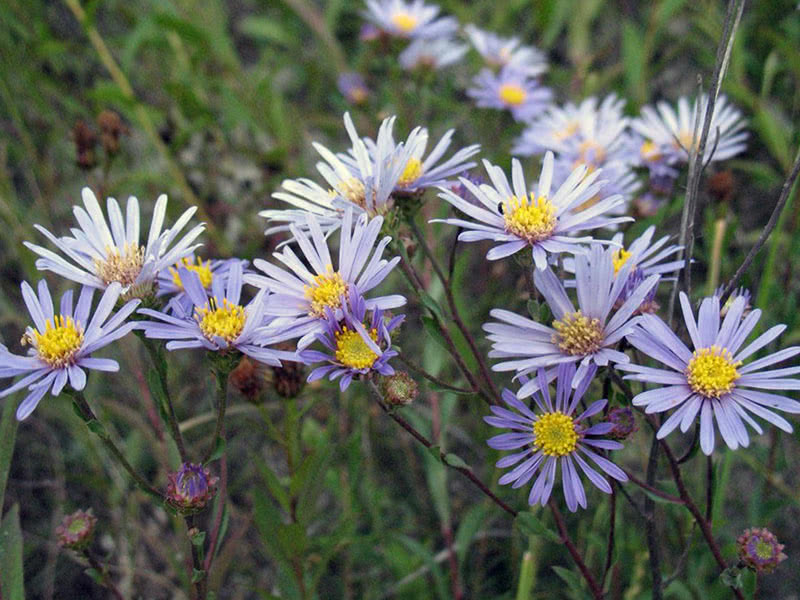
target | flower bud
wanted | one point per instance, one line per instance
(623, 421)
(759, 550)
(190, 489)
(112, 128)
(248, 378)
(76, 530)
(290, 379)
(85, 141)
(399, 389)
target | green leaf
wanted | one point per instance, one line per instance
(219, 449)
(475, 519)
(97, 428)
(265, 29)
(454, 460)
(198, 575)
(732, 577)
(198, 539)
(429, 324)
(8, 435)
(12, 579)
(530, 524)
(436, 452)
(276, 489)
(570, 578)
(633, 59)
(432, 305)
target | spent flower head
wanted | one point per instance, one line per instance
(759, 549)
(76, 530)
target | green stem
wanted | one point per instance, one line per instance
(156, 352)
(222, 401)
(88, 416)
(8, 435)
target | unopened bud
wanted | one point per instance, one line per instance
(623, 421)
(85, 141)
(399, 389)
(191, 488)
(112, 128)
(76, 530)
(759, 549)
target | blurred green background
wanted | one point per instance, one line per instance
(215, 103)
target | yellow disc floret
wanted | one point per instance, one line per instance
(533, 219)
(411, 172)
(577, 334)
(712, 372)
(203, 270)
(60, 342)
(619, 257)
(352, 351)
(649, 151)
(404, 21)
(512, 94)
(122, 266)
(325, 292)
(226, 321)
(555, 434)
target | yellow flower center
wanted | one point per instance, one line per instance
(512, 94)
(555, 434)
(619, 258)
(411, 172)
(325, 292)
(712, 372)
(353, 190)
(404, 21)
(123, 267)
(577, 334)
(226, 321)
(533, 219)
(352, 351)
(203, 270)
(61, 340)
(650, 152)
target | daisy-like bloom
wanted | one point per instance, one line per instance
(303, 296)
(499, 52)
(759, 550)
(420, 172)
(435, 53)
(104, 252)
(646, 258)
(352, 349)
(170, 284)
(516, 218)
(553, 438)
(398, 18)
(586, 335)
(511, 90)
(62, 344)
(669, 135)
(353, 87)
(216, 321)
(713, 380)
(360, 180)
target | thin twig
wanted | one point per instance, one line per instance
(432, 378)
(650, 522)
(612, 519)
(768, 228)
(651, 489)
(156, 357)
(597, 591)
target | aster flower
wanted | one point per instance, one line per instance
(506, 52)
(669, 135)
(62, 344)
(216, 320)
(353, 350)
(104, 252)
(363, 181)
(586, 335)
(713, 381)
(302, 296)
(418, 171)
(436, 53)
(645, 257)
(511, 90)
(553, 438)
(353, 87)
(170, 284)
(414, 19)
(739, 291)
(546, 223)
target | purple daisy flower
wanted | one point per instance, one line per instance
(713, 381)
(553, 438)
(415, 19)
(586, 335)
(512, 90)
(353, 350)
(62, 344)
(216, 320)
(169, 280)
(545, 222)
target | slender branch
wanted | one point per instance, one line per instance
(612, 519)
(105, 580)
(90, 418)
(222, 401)
(156, 357)
(451, 301)
(597, 591)
(650, 524)
(768, 228)
(651, 489)
(223, 488)
(432, 378)
(466, 471)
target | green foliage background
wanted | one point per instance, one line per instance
(222, 100)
